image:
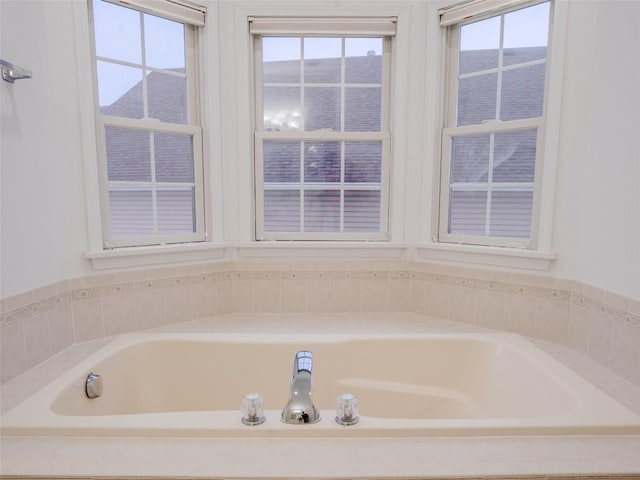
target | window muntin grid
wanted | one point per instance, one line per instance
(149, 142)
(332, 161)
(492, 133)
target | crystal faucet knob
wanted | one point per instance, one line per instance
(252, 409)
(347, 409)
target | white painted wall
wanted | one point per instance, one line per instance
(43, 216)
(597, 223)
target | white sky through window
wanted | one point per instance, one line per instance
(528, 27)
(287, 48)
(118, 37)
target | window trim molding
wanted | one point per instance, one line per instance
(96, 174)
(558, 26)
(84, 46)
(466, 255)
(488, 256)
(140, 256)
(237, 102)
(555, 84)
(260, 135)
(546, 151)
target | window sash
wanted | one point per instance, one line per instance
(262, 135)
(303, 186)
(470, 12)
(151, 125)
(448, 186)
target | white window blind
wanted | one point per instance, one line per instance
(180, 11)
(473, 9)
(322, 26)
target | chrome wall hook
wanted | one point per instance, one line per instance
(11, 72)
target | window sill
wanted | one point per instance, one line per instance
(486, 256)
(156, 255)
(204, 252)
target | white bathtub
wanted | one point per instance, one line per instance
(407, 385)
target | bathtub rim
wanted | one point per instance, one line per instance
(229, 421)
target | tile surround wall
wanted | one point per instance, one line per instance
(43, 322)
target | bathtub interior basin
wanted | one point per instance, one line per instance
(407, 385)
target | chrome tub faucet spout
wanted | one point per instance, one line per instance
(300, 407)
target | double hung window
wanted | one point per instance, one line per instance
(322, 136)
(494, 119)
(148, 130)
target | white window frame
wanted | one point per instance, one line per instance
(192, 18)
(325, 27)
(452, 19)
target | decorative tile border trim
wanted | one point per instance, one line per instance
(93, 292)
(162, 283)
(550, 294)
(34, 309)
(276, 275)
(604, 309)
(541, 292)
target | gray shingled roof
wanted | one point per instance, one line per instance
(322, 100)
(529, 80)
(166, 94)
(130, 156)
(129, 150)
